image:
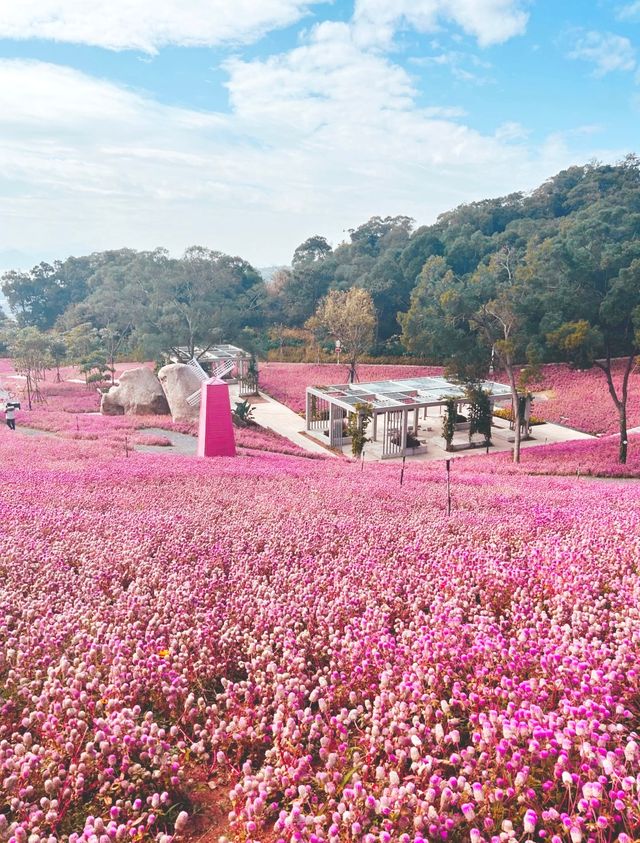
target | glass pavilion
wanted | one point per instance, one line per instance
(394, 403)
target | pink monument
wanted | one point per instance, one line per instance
(215, 429)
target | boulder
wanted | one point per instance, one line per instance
(137, 393)
(179, 382)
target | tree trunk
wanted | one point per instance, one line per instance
(516, 413)
(622, 451)
(29, 390)
(352, 371)
(621, 402)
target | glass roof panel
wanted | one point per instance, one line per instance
(409, 392)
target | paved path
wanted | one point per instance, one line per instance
(275, 416)
(182, 443)
(33, 431)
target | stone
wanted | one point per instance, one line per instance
(138, 392)
(179, 382)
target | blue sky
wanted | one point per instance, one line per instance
(250, 125)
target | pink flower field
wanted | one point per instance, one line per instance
(327, 650)
(585, 457)
(581, 399)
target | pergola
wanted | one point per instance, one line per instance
(392, 403)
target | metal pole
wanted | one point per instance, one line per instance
(448, 463)
(404, 459)
(362, 460)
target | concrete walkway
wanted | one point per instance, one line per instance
(275, 416)
(430, 433)
(182, 443)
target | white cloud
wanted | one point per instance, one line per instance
(318, 139)
(465, 67)
(606, 51)
(629, 12)
(489, 21)
(147, 25)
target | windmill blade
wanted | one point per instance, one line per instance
(197, 370)
(223, 368)
(194, 399)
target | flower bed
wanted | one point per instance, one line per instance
(584, 457)
(327, 646)
(581, 399)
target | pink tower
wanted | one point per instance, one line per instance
(215, 430)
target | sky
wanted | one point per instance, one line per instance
(249, 125)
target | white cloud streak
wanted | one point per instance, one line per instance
(489, 21)
(606, 51)
(629, 12)
(147, 25)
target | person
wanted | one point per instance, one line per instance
(10, 416)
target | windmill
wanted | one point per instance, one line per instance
(215, 428)
(218, 372)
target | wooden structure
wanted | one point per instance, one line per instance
(243, 370)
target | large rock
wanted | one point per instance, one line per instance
(179, 382)
(137, 393)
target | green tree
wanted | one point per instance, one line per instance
(357, 426)
(41, 295)
(480, 417)
(58, 351)
(294, 294)
(29, 350)
(611, 331)
(437, 324)
(192, 303)
(87, 352)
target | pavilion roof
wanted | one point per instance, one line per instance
(410, 392)
(216, 352)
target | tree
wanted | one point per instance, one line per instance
(500, 323)
(613, 331)
(479, 412)
(87, 352)
(294, 294)
(58, 351)
(108, 304)
(192, 303)
(350, 318)
(437, 324)
(498, 320)
(357, 426)
(29, 349)
(587, 274)
(313, 249)
(42, 294)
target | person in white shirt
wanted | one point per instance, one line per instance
(10, 416)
